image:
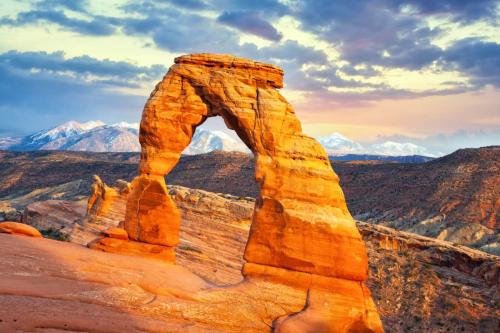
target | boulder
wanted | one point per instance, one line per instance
(117, 233)
(16, 228)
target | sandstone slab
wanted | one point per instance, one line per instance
(140, 249)
(117, 233)
(17, 228)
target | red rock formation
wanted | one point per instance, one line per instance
(17, 228)
(301, 230)
(107, 202)
(117, 233)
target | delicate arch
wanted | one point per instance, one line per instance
(301, 222)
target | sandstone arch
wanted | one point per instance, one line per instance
(301, 221)
(302, 234)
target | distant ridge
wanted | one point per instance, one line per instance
(93, 136)
(96, 136)
(382, 158)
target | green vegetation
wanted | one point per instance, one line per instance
(55, 234)
(190, 248)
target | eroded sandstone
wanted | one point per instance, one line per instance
(16, 228)
(301, 227)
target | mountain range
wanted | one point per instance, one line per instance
(93, 136)
(97, 136)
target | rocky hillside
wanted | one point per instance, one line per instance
(35, 174)
(455, 198)
(419, 284)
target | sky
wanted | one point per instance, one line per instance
(406, 71)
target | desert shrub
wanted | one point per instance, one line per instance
(54, 234)
(190, 248)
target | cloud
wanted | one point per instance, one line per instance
(29, 102)
(82, 67)
(459, 10)
(250, 22)
(477, 59)
(270, 8)
(370, 36)
(370, 32)
(40, 89)
(74, 5)
(189, 4)
(96, 26)
(177, 31)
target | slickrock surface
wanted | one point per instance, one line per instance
(301, 233)
(419, 284)
(215, 251)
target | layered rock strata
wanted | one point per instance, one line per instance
(302, 230)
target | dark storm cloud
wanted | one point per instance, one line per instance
(250, 22)
(477, 59)
(97, 25)
(81, 66)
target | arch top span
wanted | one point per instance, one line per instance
(273, 75)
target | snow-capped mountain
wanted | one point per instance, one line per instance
(123, 137)
(7, 142)
(60, 133)
(205, 141)
(392, 148)
(336, 143)
(120, 137)
(90, 136)
(124, 124)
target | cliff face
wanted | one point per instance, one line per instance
(418, 284)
